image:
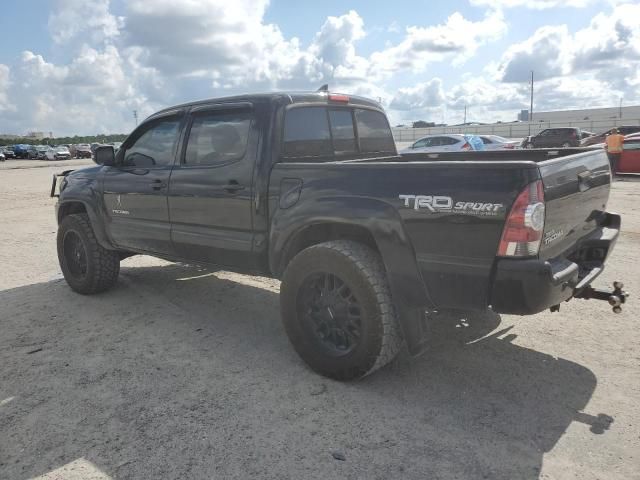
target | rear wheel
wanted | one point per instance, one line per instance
(86, 265)
(337, 310)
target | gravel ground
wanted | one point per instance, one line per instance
(183, 372)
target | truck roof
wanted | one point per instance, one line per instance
(283, 98)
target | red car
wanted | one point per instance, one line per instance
(630, 159)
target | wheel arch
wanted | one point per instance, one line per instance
(77, 206)
(371, 222)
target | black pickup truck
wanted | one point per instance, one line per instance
(309, 188)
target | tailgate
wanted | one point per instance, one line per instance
(576, 190)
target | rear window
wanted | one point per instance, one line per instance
(344, 137)
(306, 132)
(374, 132)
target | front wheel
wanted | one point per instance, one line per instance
(337, 310)
(87, 266)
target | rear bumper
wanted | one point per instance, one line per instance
(528, 286)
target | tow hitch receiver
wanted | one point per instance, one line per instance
(615, 298)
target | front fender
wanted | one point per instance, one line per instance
(84, 191)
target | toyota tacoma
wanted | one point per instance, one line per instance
(308, 188)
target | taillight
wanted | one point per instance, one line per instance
(509, 146)
(523, 228)
(466, 146)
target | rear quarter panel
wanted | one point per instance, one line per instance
(453, 250)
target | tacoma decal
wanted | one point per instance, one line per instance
(444, 204)
(119, 210)
(552, 235)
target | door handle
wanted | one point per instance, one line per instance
(233, 186)
(158, 184)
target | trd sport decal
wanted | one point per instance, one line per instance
(443, 204)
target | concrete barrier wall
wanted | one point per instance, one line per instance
(510, 130)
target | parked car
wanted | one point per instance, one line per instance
(21, 150)
(58, 153)
(42, 151)
(32, 152)
(564, 137)
(439, 143)
(496, 142)
(363, 240)
(8, 152)
(82, 150)
(586, 134)
(600, 138)
(630, 158)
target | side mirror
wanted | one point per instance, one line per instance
(105, 155)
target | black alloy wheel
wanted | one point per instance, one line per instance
(331, 313)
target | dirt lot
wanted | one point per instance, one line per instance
(182, 372)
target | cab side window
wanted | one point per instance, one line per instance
(155, 147)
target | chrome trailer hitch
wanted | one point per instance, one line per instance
(615, 298)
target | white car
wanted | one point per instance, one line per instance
(57, 153)
(439, 143)
(496, 142)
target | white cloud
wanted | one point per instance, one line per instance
(4, 88)
(424, 96)
(457, 38)
(163, 52)
(547, 52)
(609, 48)
(534, 4)
(74, 18)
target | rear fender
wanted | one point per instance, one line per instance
(382, 221)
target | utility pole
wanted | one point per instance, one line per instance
(465, 115)
(531, 104)
(620, 109)
(135, 116)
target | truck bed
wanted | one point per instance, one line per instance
(455, 249)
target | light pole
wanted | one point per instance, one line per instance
(531, 104)
(620, 109)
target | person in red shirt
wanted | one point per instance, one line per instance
(614, 143)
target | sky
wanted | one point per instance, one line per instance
(83, 66)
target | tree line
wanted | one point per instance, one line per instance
(116, 137)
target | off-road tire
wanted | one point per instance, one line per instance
(362, 270)
(102, 265)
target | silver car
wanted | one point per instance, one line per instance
(439, 143)
(58, 153)
(496, 142)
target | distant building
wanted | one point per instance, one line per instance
(523, 116)
(593, 114)
(36, 135)
(8, 136)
